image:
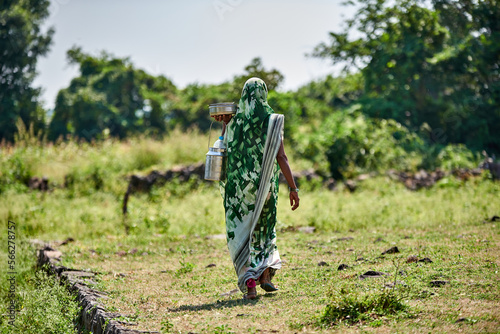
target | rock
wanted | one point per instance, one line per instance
(438, 284)
(351, 185)
(393, 284)
(53, 254)
(133, 251)
(344, 239)
(461, 320)
(67, 241)
(425, 260)
(307, 229)
(372, 274)
(331, 184)
(343, 267)
(211, 265)
(322, 264)
(121, 253)
(216, 237)
(363, 177)
(491, 220)
(230, 293)
(392, 250)
(421, 179)
(412, 259)
(37, 183)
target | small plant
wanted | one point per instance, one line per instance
(349, 306)
(166, 326)
(186, 267)
(223, 329)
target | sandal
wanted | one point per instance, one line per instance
(265, 282)
(252, 291)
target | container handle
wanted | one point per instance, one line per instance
(209, 134)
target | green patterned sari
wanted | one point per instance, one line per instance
(251, 189)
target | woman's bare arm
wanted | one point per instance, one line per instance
(287, 172)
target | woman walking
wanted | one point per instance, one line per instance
(254, 141)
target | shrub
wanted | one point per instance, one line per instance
(349, 306)
(348, 143)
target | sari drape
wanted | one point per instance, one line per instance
(253, 138)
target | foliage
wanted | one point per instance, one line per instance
(191, 107)
(273, 78)
(436, 65)
(348, 143)
(110, 97)
(22, 42)
(46, 307)
(42, 304)
(346, 305)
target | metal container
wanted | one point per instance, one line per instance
(215, 164)
(225, 108)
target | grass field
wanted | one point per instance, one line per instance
(155, 262)
(163, 280)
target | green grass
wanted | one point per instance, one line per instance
(42, 304)
(166, 279)
(154, 262)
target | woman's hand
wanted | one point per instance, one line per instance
(294, 199)
(223, 118)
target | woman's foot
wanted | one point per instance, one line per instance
(265, 281)
(252, 290)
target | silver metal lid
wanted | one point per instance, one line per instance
(225, 108)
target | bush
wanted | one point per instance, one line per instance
(353, 144)
(15, 170)
(457, 156)
(349, 306)
(45, 307)
(42, 304)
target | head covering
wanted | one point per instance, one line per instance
(246, 136)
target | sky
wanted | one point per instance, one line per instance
(189, 41)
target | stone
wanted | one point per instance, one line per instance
(351, 185)
(216, 237)
(121, 253)
(322, 264)
(425, 260)
(344, 239)
(411, 259)
(307, 229)
(230, 293)
(438, 283)
(372, 274)
(211, 265)
(392, 250)
(343, 267)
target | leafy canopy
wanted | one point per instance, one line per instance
(22, 42)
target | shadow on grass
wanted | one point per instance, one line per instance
(220, 304)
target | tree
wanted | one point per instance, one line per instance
(191, 107)
(21, 44)
(110, 97)
(273, 78)
(429, 66)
